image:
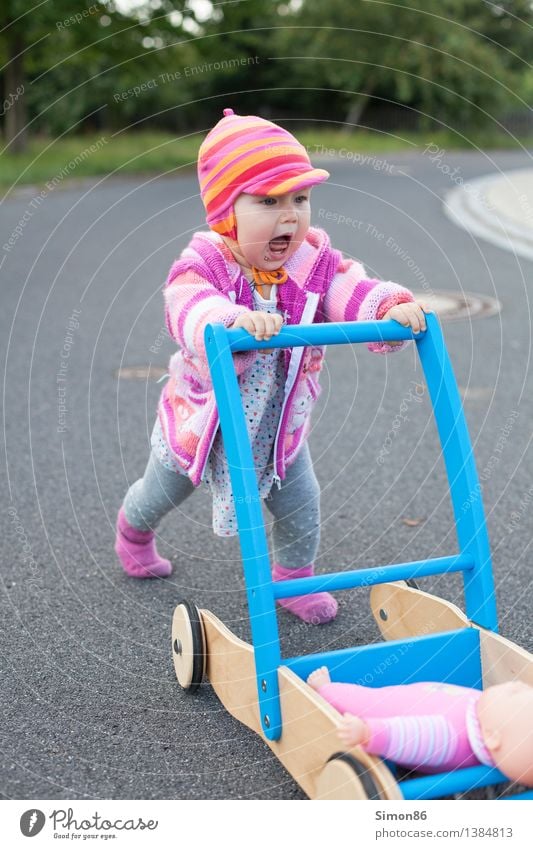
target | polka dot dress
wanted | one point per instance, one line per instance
(262, 391)
(162, 451)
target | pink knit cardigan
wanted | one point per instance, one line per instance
(206, 285)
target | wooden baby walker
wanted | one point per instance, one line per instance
(430, 638)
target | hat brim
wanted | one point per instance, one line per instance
(290, 182)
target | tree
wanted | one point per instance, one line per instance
(63, 63)
(235, 45)
(447, 58)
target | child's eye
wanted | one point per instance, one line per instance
(266, 201)
(301, 198)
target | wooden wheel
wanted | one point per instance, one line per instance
(188, 646)
(345, 777)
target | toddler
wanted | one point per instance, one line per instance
(259, 266)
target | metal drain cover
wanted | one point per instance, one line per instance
(452, 306)
(140, 372)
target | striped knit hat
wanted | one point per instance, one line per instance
(244, 153)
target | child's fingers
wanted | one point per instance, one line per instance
(259, 326)
(265, 326)
(401, 314)
(421, 313)
(272, 325)
(247, 322)
(412, 316)
(418, 319)
(262, 325)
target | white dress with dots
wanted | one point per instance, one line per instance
(262, 391)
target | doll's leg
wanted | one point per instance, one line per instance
(348, 698)
(319, 678)
(296, 537)
(398, 700)
(145, 504)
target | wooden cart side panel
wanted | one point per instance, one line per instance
(412, 613)
(230, 669)
(309, 722)
(502, 660)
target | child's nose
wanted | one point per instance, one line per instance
(289, 213)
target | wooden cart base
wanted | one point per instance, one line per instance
(309, 748)
(309, 722)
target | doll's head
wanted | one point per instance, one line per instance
(505, 713)
(255, 182)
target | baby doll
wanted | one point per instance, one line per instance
(259, 266)
(437, 727)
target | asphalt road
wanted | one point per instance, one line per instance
(90, 705)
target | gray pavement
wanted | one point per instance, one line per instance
(90, 704)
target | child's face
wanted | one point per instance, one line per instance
(261, 219)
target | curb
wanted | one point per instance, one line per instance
(471, 208)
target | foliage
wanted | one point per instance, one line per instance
(173, 66)
(449, 59)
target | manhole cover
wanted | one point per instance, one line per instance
(451, 306)
(476, 393)
(140, 372)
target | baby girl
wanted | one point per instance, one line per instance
(259, 266)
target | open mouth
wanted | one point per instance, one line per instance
(279, 246)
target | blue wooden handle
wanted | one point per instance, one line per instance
(334, 333)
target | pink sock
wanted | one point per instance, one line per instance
(137, 552)
(316, 608)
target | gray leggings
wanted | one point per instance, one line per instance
(295, 506)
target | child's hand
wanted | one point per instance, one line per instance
(353, 730)
(262, 325)
(410, 315)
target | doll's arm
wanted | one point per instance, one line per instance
(191, 302)
(413, 741)
(353, 731)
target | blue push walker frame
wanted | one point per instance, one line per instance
(452, 656)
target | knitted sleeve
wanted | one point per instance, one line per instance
(352, 296)
(191, 302)
(413, 741)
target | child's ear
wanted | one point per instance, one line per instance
(492, 740)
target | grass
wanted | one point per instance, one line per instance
(367, 141)
(72, 157)
(59, 160)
